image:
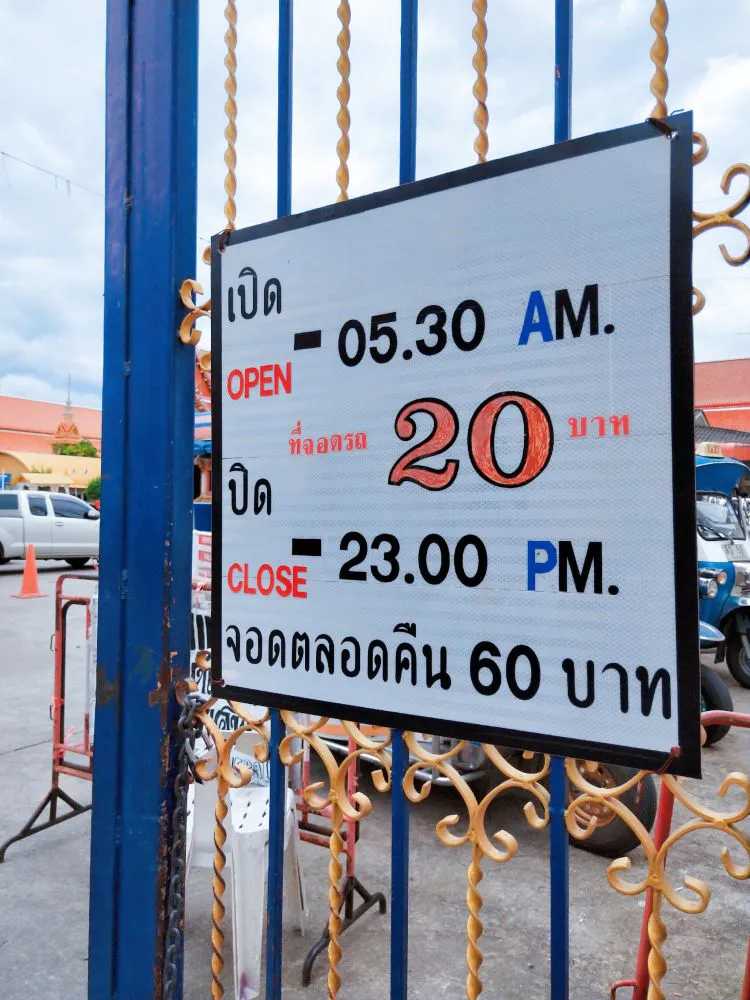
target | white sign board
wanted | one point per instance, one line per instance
(453, 455)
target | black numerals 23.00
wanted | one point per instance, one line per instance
(467, 325)
(433, 558)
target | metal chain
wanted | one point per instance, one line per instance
(188, 729)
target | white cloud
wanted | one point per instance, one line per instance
(51, 242)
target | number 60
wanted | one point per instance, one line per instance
(538, 441)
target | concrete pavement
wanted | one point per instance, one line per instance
(44, 882)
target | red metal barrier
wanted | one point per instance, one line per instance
(62, 748)
(662, 827)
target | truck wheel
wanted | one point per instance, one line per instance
(611, 837)
(715, 695)
(737, 659)
(76, 563)
(3, 559)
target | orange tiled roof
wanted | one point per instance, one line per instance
(722, 382)
(31, 416)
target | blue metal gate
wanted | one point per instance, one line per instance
(145, 571)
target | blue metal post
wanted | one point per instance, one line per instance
(558, 835)
(277, 790)
(144, 583)
(400, 759)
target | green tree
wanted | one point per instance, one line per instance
(94, 489)
(83, 448)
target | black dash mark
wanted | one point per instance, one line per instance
(306, 546)
(307, 341)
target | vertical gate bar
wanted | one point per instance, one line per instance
(277, 820)
(277, 789)
(284, 124)
(558, 843)
(144, 583)
(563, 69)
(400, 758)
(408, 130)
(399, 870)
(559, 882)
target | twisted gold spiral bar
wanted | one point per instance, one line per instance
(657, 935)
(218, 886)
(659, 53)
(343, 93)
(500, 847)
(227, 776)
(230, 108)
(474, 926)
(188, 333)
(479, 62)
(342, 806)
(335, 902)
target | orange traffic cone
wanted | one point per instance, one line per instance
(30, 582)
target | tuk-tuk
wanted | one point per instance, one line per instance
(722, 484)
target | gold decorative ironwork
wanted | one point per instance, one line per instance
(696, 899)
(479, 62)
(474, 926)
(482, 845)
(704, 221)
(218, 765)
(659, 54)
(335, 901)
(727, 217)
(189, 333)
(341, 806)
(343, 93)
(230, 109)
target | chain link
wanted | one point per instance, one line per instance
(188, 729)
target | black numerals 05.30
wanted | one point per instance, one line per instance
(434, 559)
(467, 326)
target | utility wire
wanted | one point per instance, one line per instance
(66, 180)
(50, 173)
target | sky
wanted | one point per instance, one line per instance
(52, 94)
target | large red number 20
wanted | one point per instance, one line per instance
(444, 431)
(538, 441)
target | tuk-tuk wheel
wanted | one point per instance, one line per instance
(611, 837)
(738, 660)
(715, 696)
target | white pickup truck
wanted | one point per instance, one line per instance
(59, 526)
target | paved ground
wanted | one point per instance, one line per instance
(44, 904)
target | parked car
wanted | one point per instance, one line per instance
(59, 526)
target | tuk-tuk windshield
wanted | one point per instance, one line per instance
(717, 518)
